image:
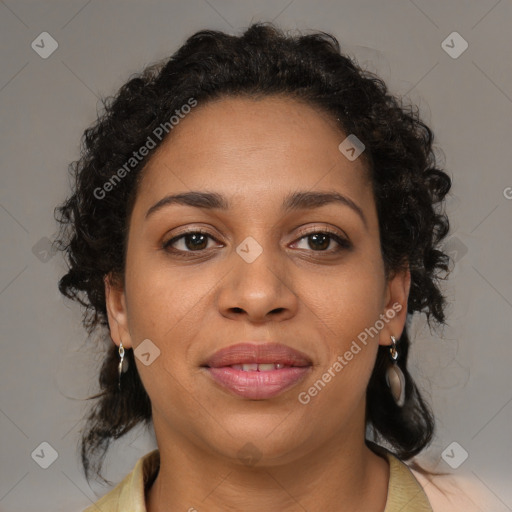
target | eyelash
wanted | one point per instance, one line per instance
(343, 244)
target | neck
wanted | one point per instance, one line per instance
(341, 474)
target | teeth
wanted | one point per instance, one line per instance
(253, 367)
(266, 367)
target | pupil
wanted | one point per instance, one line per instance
(195, 241)
(323, 236)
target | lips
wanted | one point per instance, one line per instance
(251, 353)
(257, 371)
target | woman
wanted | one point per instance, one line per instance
(252, 223)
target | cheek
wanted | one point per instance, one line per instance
(164, 300)
(170, 307)
(348, 304)
(165, 306)
(348, 300)
(346, 312)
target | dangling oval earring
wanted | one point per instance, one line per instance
(122, 366)
(394, 376)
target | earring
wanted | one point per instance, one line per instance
(394, 376)
(122, 367)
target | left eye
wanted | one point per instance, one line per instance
(321, 240)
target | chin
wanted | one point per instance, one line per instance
(254, 444)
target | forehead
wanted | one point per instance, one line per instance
(254, 147)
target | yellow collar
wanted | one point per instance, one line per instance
(405, 494)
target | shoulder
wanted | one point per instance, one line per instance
(130, 493)
(448, 493)
(109, 502)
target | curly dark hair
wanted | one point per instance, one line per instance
(408, 187)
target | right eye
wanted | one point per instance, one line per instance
(192, 241)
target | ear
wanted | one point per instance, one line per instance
(116, 311)
(395, 306)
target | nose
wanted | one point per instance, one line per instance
(259, 292)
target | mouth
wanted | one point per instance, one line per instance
(257, 371)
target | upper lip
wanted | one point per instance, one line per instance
(247, 353)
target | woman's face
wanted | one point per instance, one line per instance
(262, 270)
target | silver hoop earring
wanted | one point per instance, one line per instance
(394, 376)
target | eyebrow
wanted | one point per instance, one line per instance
(293, 201)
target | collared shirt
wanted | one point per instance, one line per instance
(405, 494)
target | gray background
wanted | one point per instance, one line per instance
(47, 366)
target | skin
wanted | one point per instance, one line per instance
(310, 457)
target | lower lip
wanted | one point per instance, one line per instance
(258, 385)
